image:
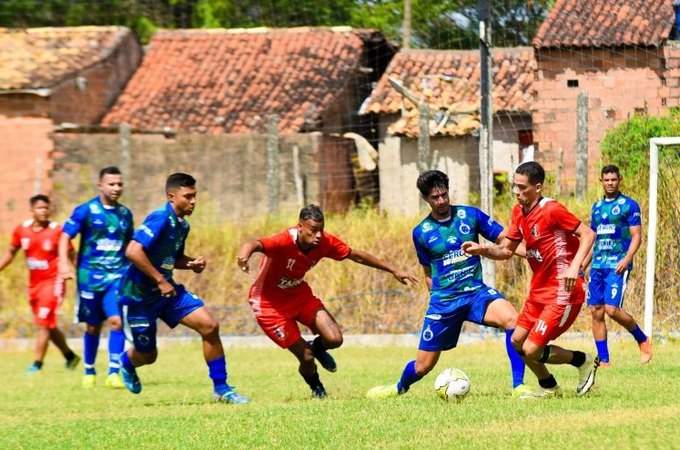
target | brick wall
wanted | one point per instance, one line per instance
(620, 82)
(84, 97)
(25, 164)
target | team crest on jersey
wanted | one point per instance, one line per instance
(461, 214)
(123, 224)
(427, 334)
(464, 228)
(534, 231)
(47, 245)
(25, 242)
(616, 210)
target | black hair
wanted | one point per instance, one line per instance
(312, 212)
(39, 198)
(178, 180)
(533, 171)
(611, 168)
(111, 170)
(432, 179)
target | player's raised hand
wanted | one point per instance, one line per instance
(402, 277)
(197, 264)
(243, 264)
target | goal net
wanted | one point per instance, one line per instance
(662, 279)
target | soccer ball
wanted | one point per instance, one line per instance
(452, 384)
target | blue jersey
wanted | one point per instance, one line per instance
(438, 245)
(162, 235)
(611, 220)
(104, 234)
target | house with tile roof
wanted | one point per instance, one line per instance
(52, 76)
(448, 82)
(232, 83)
(620, 53)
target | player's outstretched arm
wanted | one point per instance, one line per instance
(197, 264)
(135, 253)
(65, 265)
(504, 250)
(246, 251)
(8, 256)
(367, 259)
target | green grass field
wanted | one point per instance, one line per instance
(631, 406)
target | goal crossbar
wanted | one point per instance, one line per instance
(654, 144)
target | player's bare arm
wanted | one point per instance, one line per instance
(367, 259)
(65, 265)
(504, 250)
(521, 249)
(8, 256)
(197, 264)
(135, 253)
(428, 277)
(586, 238)
(246, 251)
(635, 240)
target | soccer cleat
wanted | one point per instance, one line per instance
(586, 375)
(32, 369)
(230, 396)
(645, 351)
(89, 381)
(521, 390)
(325, 359)
(131, 380)
(114, 381)
(319, 392)
(388, 391)
(72, 363)
(542, 393)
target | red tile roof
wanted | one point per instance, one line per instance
(37, 58)
(606, 23)
(448, 80)
(229, 81)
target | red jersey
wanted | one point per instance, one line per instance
(284, 265)
(41, 249)
(548, 231)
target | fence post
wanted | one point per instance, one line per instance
(423, 137)
(581, 145)
(273, 163)
(125, 139)
(299, 189)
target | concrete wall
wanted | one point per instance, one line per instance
(620, 82)
(84, 97)
(25, 165)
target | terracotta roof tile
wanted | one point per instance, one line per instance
(449, 82)
(606, 23)
(37, 58)
(191, 80)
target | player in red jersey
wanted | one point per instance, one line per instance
(39, 238)
(280, 297)
(557, 243)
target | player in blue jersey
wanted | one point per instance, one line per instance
(105, 227)
(148, 291)
(457, 291)
(616, 221)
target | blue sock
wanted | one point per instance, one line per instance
(90, 347)
(217, 369)
(516, 363)
(638, 334)
(116, 346)
(408, 377)
(126, 363)
(602, 350)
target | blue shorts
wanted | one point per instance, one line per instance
(441, 331)
(139, 318)
(94, 307)
(606, 287)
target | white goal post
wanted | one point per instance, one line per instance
(654, 144)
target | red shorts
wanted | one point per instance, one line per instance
(45, 299)
(547, 321)
(278, 319)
